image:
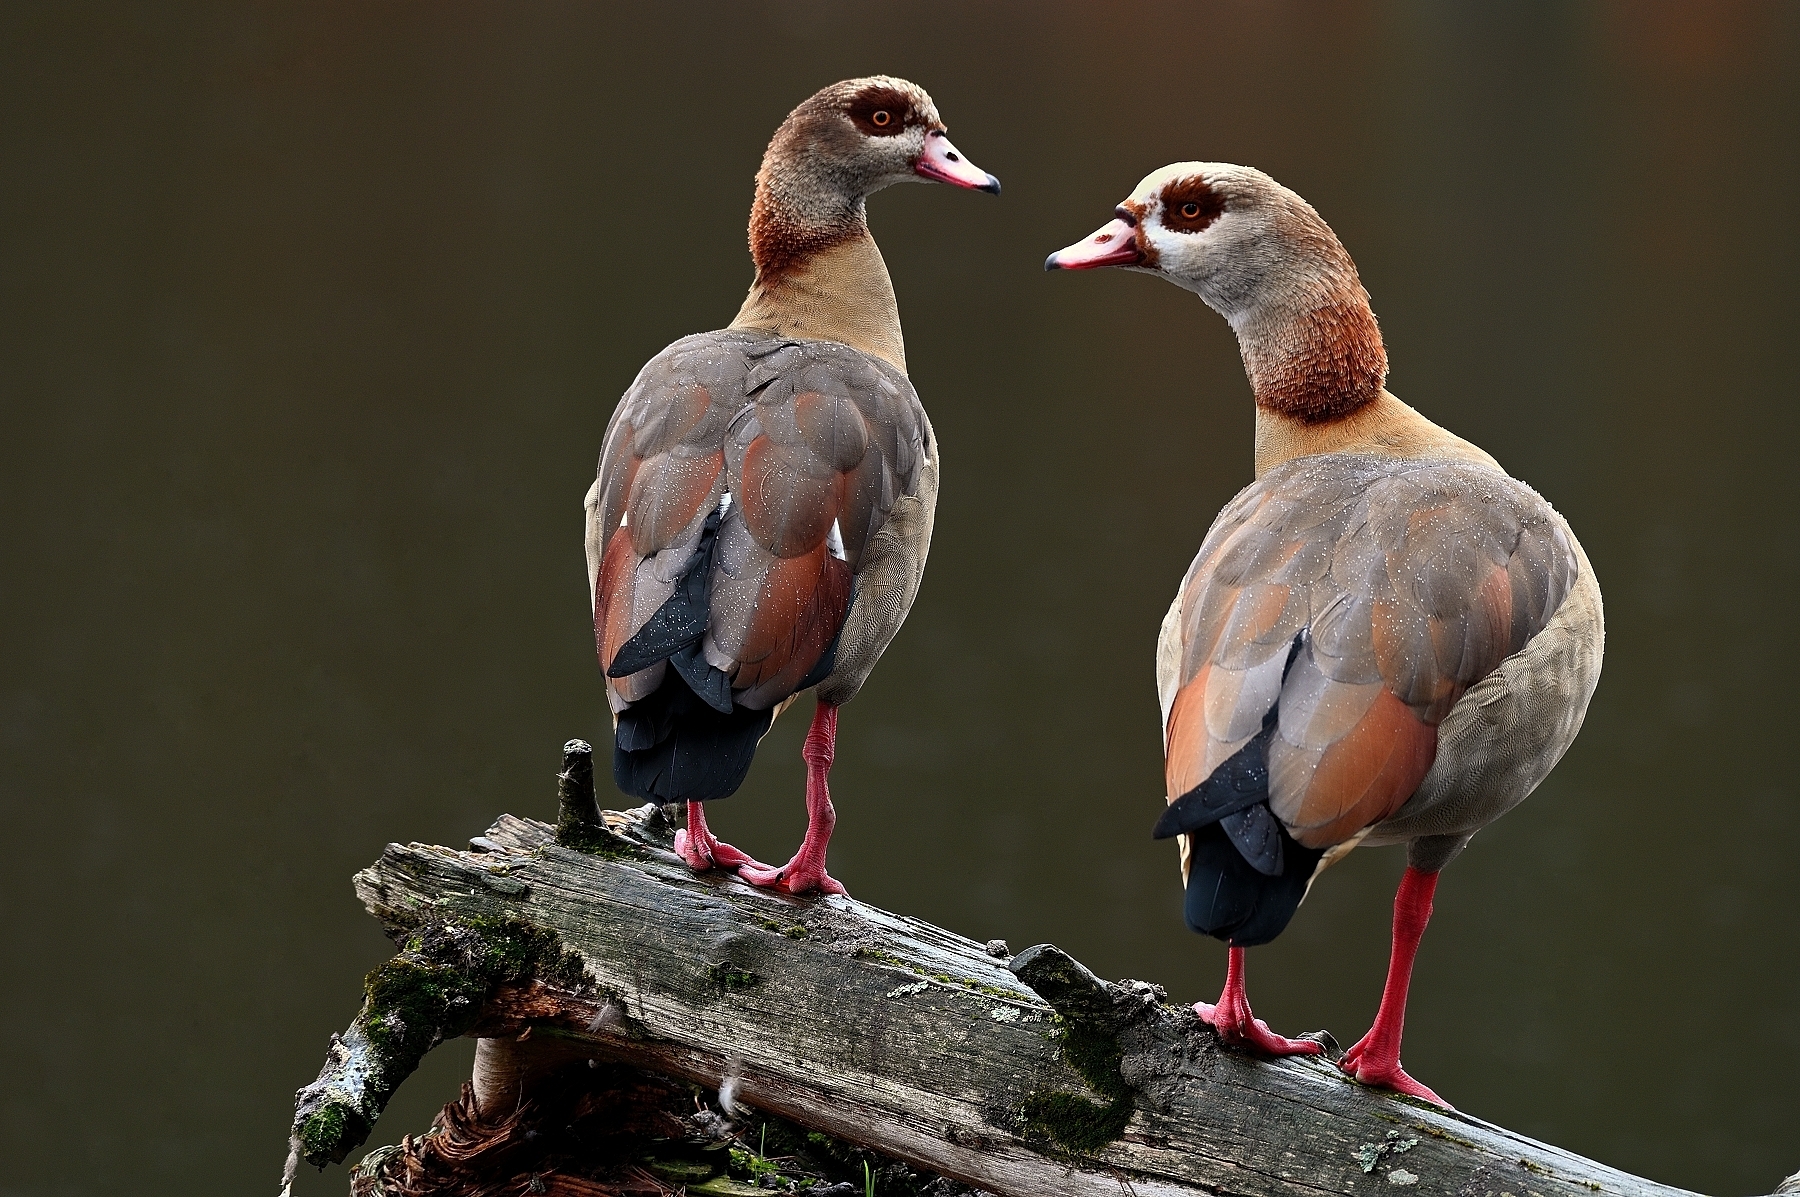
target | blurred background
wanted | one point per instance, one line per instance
(314, 316)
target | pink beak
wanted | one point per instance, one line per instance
(1114, 245)
(941, 163)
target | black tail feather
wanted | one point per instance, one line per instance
(1240, 781)
(1237, 784)
(708, 682)
(681, 621)
(1246, 874)
(675, 747)
(1229, 899)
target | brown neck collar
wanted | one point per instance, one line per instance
(819, 274)
(840, 292)
(1316, 361)
(790, 224)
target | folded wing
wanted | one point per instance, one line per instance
(742, 480)
(1347, 603)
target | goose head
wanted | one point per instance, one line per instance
(866, 134)
(840, 146)
(1262, 257)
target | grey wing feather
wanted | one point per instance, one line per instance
(816, 443)
(1413, 579)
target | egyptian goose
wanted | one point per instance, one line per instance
(1384, 639)
(763, 506)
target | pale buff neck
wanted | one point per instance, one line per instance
(841, 293)
(1385, 427)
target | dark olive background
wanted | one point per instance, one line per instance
(314, 315)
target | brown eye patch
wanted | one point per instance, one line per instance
(880, 112)
(1189, 205)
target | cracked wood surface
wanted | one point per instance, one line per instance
(898, 1035)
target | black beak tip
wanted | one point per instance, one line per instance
(1050, 263)
(992, 186)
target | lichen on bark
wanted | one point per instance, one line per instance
(431, 991)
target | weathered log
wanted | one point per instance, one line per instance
(1027, 1076)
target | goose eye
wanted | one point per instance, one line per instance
(1190, 210)
(882, 118)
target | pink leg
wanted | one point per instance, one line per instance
(1375, 1058)
(806, 873)
(1232, 1019)
(703, 850)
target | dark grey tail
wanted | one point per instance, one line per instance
(687, 742)
(1229, 900)
(675, 747)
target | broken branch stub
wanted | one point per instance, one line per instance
(577, 810)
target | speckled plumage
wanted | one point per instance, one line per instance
(1407, 562)
(818, 445)
(1384, 639)
(1407, 582)
(765, 499)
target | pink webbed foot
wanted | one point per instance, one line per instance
(797, 876)
(1375, 1058)
(805, 874)
(1244, 1029)
(712, 853)
(1234, 1022)
(1372, 1066)
(703, 850)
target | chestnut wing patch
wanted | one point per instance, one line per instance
(661, 474)
(1338, 609)
(742, 480)
(743, 596)
(815, 461)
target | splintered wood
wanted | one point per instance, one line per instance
(1026, 1076)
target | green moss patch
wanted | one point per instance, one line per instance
(1087, 1026)
(728, 976)
(1075, 1122)
(968, 983)
(325, 1129)
(432, 991)
(787, 1157)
